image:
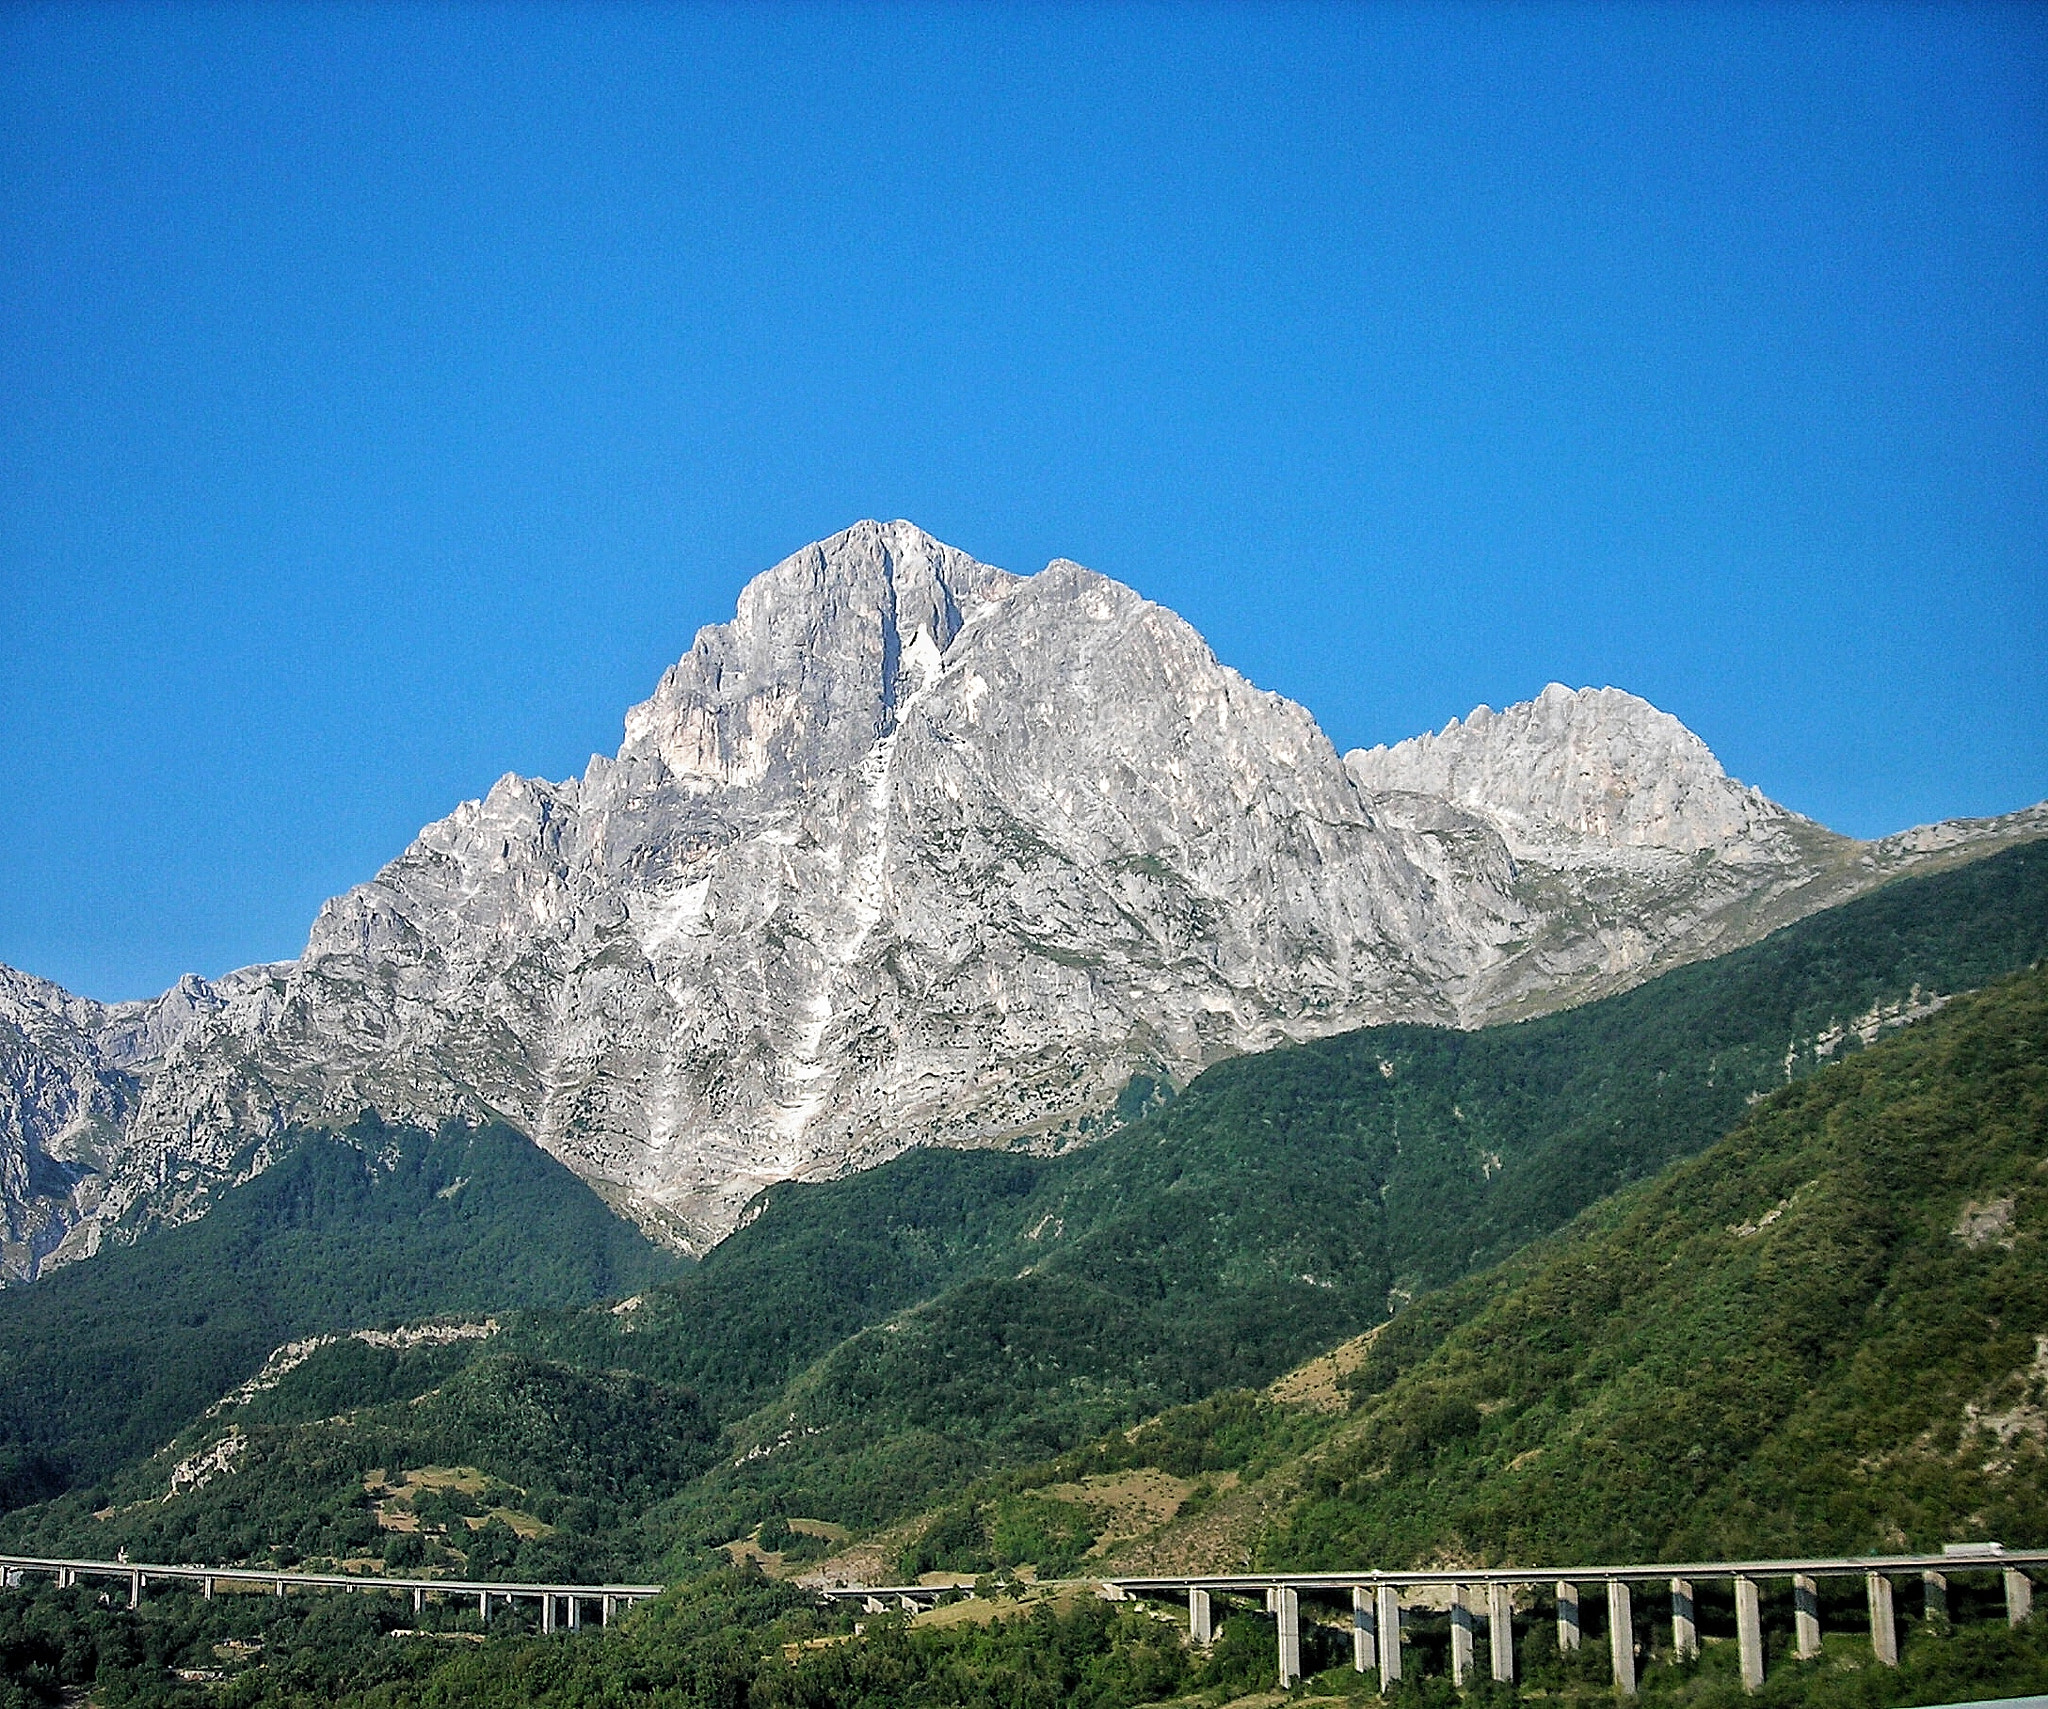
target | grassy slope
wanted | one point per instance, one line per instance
(105, 1360)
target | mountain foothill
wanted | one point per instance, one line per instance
(973, 1088)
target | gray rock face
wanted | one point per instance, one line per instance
(912, 851)
(62, 1108)
(1590, 774)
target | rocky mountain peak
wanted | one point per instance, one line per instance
(1582, 770)
(810, 670)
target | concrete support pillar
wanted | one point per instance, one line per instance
(2019, 1596)
(1389, 1624)
(1289, 1621)
(419, 1600)
(575, 1613)
(1500, 1630)
(1805, 1618)
(135, 1590)
(1365, 1657)
(1884, 1631)
(1272, 1599)
(278, 1588)
(483, 1606)
(1461, 1637)
(206, 1588)
(1749, 1634)
(547, 1611)
(1201, 1618)
(1567, 1617)
(1934, 1598)
(1685, 1621)
(604, 1613)
(1621, 1637)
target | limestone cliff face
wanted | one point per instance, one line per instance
(912, 851)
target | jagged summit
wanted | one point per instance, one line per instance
(912, 850)
(810, 670)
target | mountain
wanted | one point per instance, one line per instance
(1593, 777)
(914, 851)
(865, 1345)
(1623, 827)
(1291, 1198)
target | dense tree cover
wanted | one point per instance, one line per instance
(584, 1454)
(1821, 1334)
(726, 1639)
(815, 1264)
(105, 1360)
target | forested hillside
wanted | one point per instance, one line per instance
(108, 1359)
(865, 1346)
(1824, 1335)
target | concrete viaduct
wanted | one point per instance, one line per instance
(562, 1606)
(1482, 1608)
(1481, 1600)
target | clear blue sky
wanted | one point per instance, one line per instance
(390, 392)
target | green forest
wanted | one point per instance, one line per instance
(378, 1224)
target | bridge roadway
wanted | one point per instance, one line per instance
(1481, 1604)
(567, 1600)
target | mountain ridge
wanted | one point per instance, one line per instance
(913, 850)
(1544, 773)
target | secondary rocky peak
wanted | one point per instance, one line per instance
(1593, 767)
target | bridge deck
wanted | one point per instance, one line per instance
(279, 1580)
(1819, 1566)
